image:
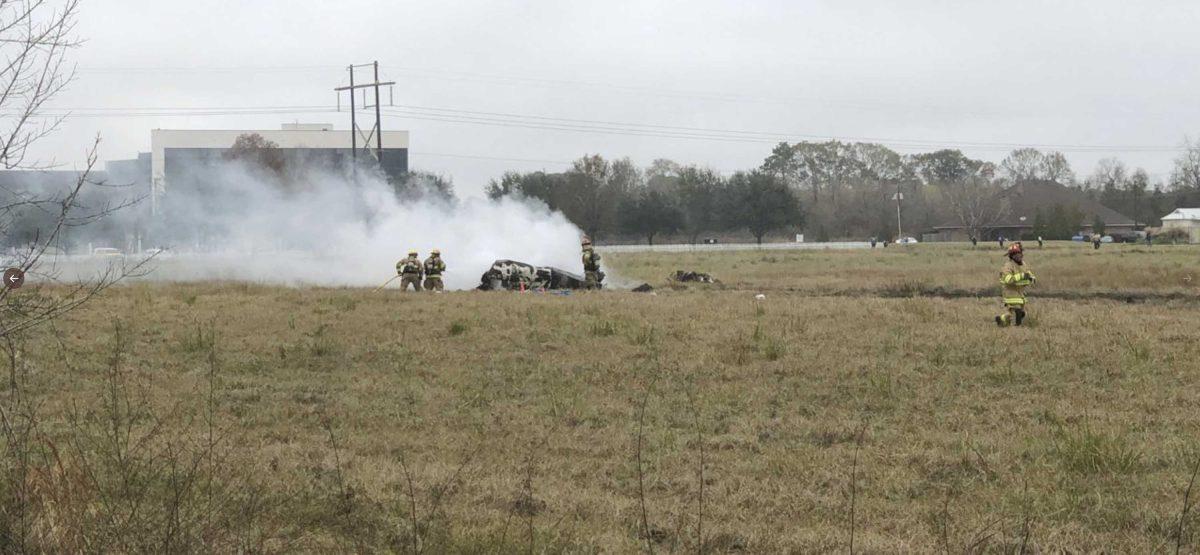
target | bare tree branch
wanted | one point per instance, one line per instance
(35, 37)
(977, 203)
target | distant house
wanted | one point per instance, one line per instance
(1186, 219)
(1023, 202)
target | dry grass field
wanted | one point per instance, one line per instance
(1064, 268)
(845, 412)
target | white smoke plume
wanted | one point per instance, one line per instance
(332, 228)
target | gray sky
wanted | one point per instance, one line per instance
(919, 74)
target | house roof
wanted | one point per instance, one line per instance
(1025, 198)
(1183, 214)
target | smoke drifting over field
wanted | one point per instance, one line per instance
(323, 227)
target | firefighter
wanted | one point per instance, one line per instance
(434, 266)
(1015, 276)
(591, 265)
(409, 270)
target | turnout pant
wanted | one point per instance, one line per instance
(1013, 315)
(413, 279)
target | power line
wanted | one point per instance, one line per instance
(778, 134)
(497, 158)
(618, 128)
(101, 113)
(459, 76)
(202, 69)
(578, 125)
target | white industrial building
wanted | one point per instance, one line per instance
(182, 146)
(1186, 219)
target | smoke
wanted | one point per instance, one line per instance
(319, 225)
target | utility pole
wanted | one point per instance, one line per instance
(376, 131)
(899, 231)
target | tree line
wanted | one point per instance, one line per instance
(606, 198)
(826, 190)
(839, 190)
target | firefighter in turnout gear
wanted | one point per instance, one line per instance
(1015, 276)
(409, 270)
(591, 266)
(434, 266)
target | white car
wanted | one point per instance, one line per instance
(907, 241)
(107, 252)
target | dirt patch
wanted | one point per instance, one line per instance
(1128, 296)
(908, 290)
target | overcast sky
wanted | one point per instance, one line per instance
(916, 75)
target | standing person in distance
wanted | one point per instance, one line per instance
(591, 265)
(1015, 276)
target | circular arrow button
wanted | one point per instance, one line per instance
(14, 278)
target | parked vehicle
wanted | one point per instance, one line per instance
(107, 252)
(907, 241)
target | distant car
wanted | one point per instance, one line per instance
(1078, 238)
(1106, 239)
(710, 241)
(907, 241)
(105, 251)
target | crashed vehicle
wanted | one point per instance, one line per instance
(696, 277)
(512, 275)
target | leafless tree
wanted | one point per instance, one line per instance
(1110, 174)
(35, 37)
(1186, 175)
(976, 202)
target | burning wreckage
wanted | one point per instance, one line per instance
(512, 275)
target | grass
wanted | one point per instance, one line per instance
(1061, 267)
(692, 420)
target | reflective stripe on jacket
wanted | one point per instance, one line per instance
(1013, 282)
(434, 266)
(591, 261)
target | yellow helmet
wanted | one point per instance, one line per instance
(412, 253)
(435, 251)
